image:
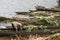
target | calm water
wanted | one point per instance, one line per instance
(9, 7)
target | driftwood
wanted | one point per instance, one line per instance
(24, 19)
(13, 33)
(48, 27)
(20, 19)
(32, 11)
(23, 13)
(38, 13)
(13, 19)
(27, 20)
(2, 18)
(38, 8)
(32, 14)
(5, 19)
(57, 17)
(7, 33)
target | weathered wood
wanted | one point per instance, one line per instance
(6, 19)
(39, 13)
(13, 33)
(38, 8)
(2, 18)
(32, 10)
(26, 20)
(20, 19)
(49, 27)
(13, 19)
(23, 13)
(6, 33)
(57, 18)
(33, 14)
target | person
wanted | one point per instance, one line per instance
(16, 26)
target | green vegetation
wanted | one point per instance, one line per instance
(30, 28)
(50, 31)
(45, 20)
